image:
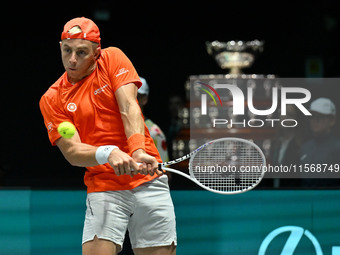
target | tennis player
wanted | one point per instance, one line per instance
(97, 93)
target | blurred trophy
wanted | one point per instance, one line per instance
(234, 55)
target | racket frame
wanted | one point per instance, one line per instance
(163, 166)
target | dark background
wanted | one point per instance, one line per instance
(166, 43)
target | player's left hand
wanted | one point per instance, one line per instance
(149, 163)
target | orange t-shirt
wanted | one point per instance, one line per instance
(92, 107)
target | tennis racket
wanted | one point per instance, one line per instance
(224, 166)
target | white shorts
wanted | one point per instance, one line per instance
(146, 211)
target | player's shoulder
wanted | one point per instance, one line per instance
(111, 52)
(111, 58)
(52, 91)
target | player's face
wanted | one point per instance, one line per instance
(79, 58)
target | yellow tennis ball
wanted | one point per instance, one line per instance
(66, 129)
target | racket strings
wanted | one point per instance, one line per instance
(228, 166)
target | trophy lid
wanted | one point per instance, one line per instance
(234, 55)
(238, 46)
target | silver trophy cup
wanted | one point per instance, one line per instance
(234, 55)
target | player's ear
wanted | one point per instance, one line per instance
(97, 51)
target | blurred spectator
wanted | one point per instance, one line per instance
(324, 146)
(286, 145)
(176, 105)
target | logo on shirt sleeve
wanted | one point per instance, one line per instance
(49, 127)
(72, 107)
(122, 71)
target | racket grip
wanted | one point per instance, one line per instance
(138, 164)
(159, 166)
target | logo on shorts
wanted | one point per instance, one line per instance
(72, 107)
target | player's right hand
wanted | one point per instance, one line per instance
(122, 163)
(148, 164)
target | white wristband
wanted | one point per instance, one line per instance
(103, 153)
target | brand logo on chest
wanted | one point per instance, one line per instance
(71, 107)
(100, 90)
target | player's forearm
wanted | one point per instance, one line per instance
(132, 119)
(84, 156)
(77, 153)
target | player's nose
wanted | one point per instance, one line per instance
(73, 59)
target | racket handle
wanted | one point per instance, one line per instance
(138, 164)
(159, 166)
